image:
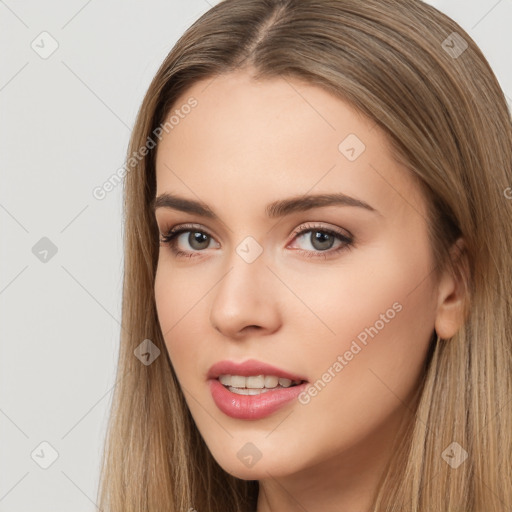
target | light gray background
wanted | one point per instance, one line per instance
(65, 123)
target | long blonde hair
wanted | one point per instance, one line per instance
(405, 65)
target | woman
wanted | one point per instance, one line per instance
(316, 305)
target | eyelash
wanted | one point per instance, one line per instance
(170, 239)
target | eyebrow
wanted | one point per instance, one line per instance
(275, 209)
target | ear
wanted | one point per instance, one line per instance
(452, 293)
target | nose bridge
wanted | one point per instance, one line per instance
(248, 270)
(245, 295)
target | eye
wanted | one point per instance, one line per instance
(196, 238)
(318, 240)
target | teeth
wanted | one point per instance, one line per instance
(244, 391)
(256, 382)
(286, 383)
(238, 381)
(271, 381)
(225, 379)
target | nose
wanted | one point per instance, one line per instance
(246, 300)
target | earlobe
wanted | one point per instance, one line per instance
(452, 292)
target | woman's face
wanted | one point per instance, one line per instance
(337, 293)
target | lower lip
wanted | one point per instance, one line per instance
(252, 407)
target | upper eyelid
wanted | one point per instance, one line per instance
(309, 226)
(188, 227)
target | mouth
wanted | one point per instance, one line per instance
(252, 390)
(253, 403)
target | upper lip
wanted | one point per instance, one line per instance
(248, 368)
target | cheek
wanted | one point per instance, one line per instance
(178, 292)
(382, 321)
(174, 296)
(166, 298)
(181, 297)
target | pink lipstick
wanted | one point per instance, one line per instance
(252, 390)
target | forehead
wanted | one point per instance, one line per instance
(248, 140)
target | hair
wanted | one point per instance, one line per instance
(446, 118)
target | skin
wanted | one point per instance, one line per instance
(248, 143)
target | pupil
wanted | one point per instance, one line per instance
(321, 240)
(199, 238)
